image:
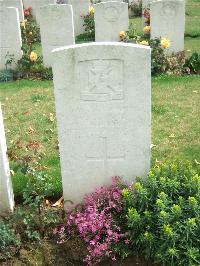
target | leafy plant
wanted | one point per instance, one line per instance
(89, 26)
(9, 241)
(193, 63)
(162, 214)
(95, 222)
(31, 64)
(136, 8)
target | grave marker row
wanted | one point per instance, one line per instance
(10, 38)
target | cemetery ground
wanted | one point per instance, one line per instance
(30, 127)
(29, 112)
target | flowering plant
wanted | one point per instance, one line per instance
(162, 214)
(31, 64)
(146, 15)
(96, 224)
(88, 24)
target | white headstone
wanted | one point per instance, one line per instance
(80, 9)
(146, 4)
(10, 38)
(6, 192)
(56, 29)
(105, 1)
(110, 19)
(14, 3)
(36, 4)
(168, 21)
(103, 114)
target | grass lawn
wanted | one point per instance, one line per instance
(29, 113)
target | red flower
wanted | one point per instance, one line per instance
(26, 13)
(29, 8)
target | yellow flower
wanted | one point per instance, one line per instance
(191, 222)
(122, 35)
(33, 56)
(176, 208)
(125, 192)
(163, 214)
(30, 33)
(147, 29)
(167, 229)
(192, 201)
(91, 10)
(144, 42)
(138, 186)
(165, 43)
(23, 23)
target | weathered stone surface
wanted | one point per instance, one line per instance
(56, 28)
(110, 19)
(103, 114)
(10, 38)
(14, 3)
(146, 4)
(168, 21)
(80, 9)
(6, 192)
(36, 4)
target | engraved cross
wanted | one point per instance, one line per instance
(105, 158)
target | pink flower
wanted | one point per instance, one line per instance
(126, 241)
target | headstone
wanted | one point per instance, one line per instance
(56, 29)
(10, 39)
(36, 4)
(105, 1)
(110, 19)
(80, 9)
(103, 114)
(14, 3)
(168, 21)
(6, 192)
(146, 4)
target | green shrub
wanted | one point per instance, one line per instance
(162, 215)
(89, 26)
(193, 63)
(136, 8)
(9, 242)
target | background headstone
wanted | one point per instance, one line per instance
(103, 111)
(168, 21)
(110, 19)
(36, 4)
(14, 3)
(10, 38)
(80, 9)
(6, 192)
(56, 29)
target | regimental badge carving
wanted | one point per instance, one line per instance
(168, 10)
(101, 80)
(111, 14)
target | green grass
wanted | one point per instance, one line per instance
(30, 104)
(192, 18)
(175, 118)
(175, 121)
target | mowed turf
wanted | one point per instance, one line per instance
(29, 114)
